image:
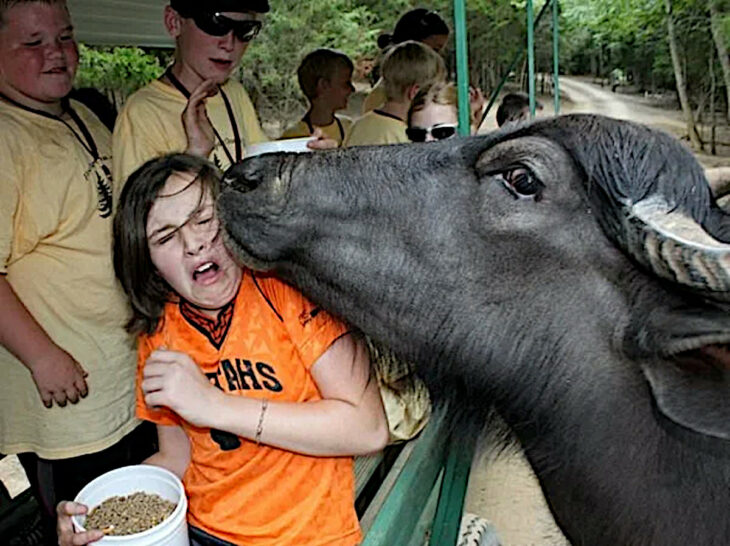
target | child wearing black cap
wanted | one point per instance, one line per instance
(210, 39)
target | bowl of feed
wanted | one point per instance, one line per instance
(297, 145)
(140, 505)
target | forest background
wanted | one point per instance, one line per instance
(677, 48)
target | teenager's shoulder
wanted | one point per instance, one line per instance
(153, 95)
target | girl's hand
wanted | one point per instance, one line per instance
(198, 128)
(65, 529)
(320, 142)
(173, 379)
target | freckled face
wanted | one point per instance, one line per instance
(186, 245)
(38, 54)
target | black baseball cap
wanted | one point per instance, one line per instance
(188, 8)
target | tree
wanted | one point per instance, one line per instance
(679, 76)
(719, 37)
(118, 71)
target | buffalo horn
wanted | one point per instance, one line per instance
(676, 248)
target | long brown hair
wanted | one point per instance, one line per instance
(146, 289)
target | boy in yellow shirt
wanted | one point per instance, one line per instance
(406, 69)
(325, 77)
(66, 362)
(210, 39)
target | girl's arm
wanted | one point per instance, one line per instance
(174, 452)
(349, 420)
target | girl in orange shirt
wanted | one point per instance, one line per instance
(261, 399)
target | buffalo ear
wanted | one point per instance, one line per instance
(686, 360)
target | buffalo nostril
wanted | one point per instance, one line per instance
(241, 184)
(242, 178)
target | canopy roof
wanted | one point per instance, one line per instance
(120, 22)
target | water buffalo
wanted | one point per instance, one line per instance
(574, 273)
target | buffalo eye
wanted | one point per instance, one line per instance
(522, 184)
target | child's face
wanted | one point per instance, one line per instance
(210, 57)
(434, 115)
(336, 90)
(38, 54)
(437, 42)
(186, 245)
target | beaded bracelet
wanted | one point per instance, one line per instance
(260, 426)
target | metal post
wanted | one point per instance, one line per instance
(531, 56)
(462, 66)
(516, 59)
(556, 58)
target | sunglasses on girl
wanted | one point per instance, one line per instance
(217, 24)
(439, 132)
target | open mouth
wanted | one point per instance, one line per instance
(57, 70)
(206, 272)
(221, 63)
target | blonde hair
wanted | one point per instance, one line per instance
(410, 63)
(443, 93)
(5, 5)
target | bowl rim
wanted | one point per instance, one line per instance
(181, 505)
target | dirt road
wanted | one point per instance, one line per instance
(586, 97)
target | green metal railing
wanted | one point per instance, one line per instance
(462, 63)
(462, 66)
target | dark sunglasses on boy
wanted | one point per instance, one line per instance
(439, 132)
(217, 24)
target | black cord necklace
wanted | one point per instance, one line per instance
(87, 142)
(236, 136)
(85, 138)
(307, 120)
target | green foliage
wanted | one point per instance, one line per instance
(631, 35)
(116, 71)
(597, 37)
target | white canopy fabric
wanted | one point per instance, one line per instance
(120, 22)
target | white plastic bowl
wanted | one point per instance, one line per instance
(131, 479)
(297, 145)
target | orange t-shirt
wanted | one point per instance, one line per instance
(244, 493)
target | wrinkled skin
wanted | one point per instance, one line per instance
(525, 303)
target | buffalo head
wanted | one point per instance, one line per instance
(574, 272)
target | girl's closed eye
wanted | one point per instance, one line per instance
(163, 239)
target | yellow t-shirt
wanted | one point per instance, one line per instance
(56, 205)
(375, 99)
(376, 127)
(150, 125)
(337, 130)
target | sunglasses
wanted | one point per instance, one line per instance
(217, 24)
(439, 132)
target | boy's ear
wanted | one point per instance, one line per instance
(412, 91)
(173, 22)
(322, 85)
